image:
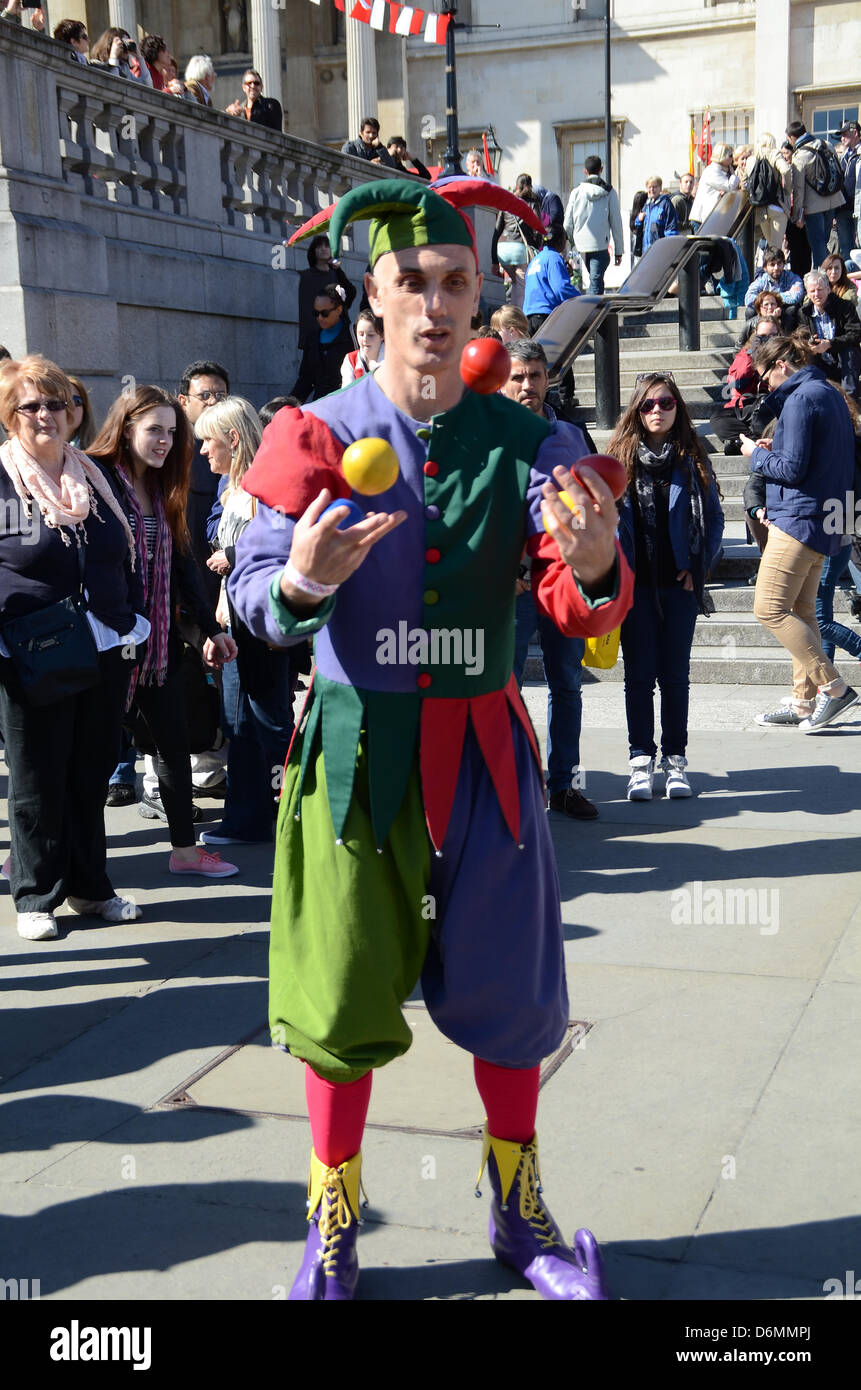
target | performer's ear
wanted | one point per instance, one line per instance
(373, 293)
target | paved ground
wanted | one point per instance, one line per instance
(707, 1128)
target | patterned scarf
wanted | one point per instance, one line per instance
(156, 582)
(63, 505)
(649, 465)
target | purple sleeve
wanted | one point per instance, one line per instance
(262, 551)
(564, 446)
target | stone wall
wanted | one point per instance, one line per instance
(139, 232)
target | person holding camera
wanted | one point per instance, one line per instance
(117, 52)
(14, 9)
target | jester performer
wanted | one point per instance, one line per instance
(415, 777)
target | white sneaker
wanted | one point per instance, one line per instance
(675, 778)
(113, 910)
(37, 926)
(641, 779)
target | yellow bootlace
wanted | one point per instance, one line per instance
(336, 1216)
(532, 1209)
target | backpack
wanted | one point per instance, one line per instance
(824, 174)
(763, 184)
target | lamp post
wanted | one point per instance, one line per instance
(608, 161)
(451, 159)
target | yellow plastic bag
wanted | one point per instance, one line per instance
(602, 652)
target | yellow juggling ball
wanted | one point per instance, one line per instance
(370, 466)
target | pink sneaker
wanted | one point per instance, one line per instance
(210, 865)
(7, 867)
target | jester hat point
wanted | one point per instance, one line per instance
(403, 214)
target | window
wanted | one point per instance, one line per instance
(577, 139)
(825, 122)
(727, 127)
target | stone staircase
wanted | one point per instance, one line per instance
(730, 647)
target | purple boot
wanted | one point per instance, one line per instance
(330, 1268)
(524, 1235)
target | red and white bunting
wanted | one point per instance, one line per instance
(402, 19)
(435, 27)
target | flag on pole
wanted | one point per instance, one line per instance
(435, 27)
(692, 149)
(704, 146)
(378, 14)
(488, 162)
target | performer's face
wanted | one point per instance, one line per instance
(426, 295)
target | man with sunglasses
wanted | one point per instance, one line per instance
(257, 108)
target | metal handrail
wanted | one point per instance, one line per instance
(565, 333)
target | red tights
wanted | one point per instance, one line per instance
(337, 1109)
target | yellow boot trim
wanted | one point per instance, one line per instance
(512, 1159)
(342, 1186)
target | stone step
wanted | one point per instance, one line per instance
(740, 630)
(747, 666)
(738, 598)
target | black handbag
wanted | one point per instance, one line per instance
(202, 708)
(53, 650)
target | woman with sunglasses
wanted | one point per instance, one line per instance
(83, 425)
(670, 529)
(64, 530)
(325, 350)
(146, 441)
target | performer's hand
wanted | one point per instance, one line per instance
(586, 537)
(328, 556)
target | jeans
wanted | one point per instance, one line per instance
(563, 657)
(658, 648)
(259, 730)
(60, 758)
(817, 225)
(123, 774)
(834, 634)
(847, 231)
(596, 263)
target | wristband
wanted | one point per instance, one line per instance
(308, 586)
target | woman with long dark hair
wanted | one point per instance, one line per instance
(670, 528)
(146, 441)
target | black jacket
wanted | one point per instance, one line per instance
(320, 372)
(267, 111)
(360, 150)
(313, 282)
(847, 325)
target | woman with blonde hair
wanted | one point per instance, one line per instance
(771, 217)
(716, 179)
(68, 570)
(257, 689)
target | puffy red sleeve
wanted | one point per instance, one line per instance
(297, 458)
(555, 590)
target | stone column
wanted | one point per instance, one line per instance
(266, 46)
(771, 68)
(122, 14)
(361, 75)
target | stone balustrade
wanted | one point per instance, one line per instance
(139, 231)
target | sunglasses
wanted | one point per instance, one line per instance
(653, 376)
(323, 313)
(209, 395)
(252, 84)
(36, 407)
(657, 402)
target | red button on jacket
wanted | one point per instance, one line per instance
(431, 468)
(432, 556)
(423, 681)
